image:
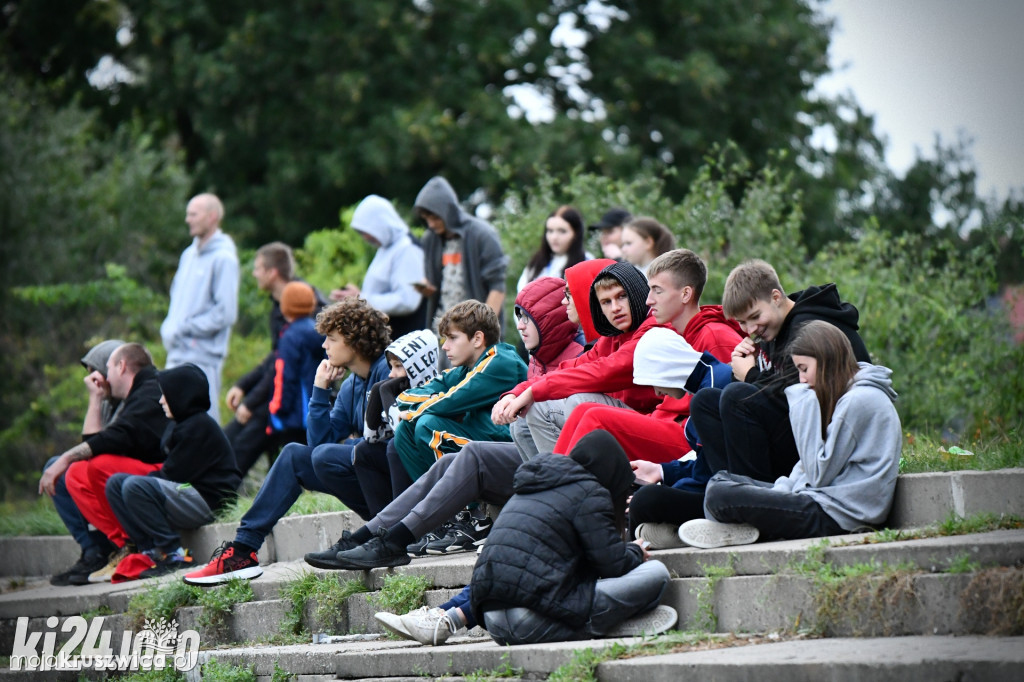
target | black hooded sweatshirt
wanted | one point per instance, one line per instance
(196, 448)
(136, 431)
(775, 369)
(557, 536)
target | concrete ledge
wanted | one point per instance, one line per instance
(922, 499)
(900, 659)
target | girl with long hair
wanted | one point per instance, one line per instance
(849, 439)
(561, 246)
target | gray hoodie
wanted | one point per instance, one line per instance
(204, 303)
(398, 263)
(483, 260)
(852, 473)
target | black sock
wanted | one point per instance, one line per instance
(245, 549)
(401, 536)
(362, 535)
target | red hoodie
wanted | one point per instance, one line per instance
(542, 301)
(607, 367)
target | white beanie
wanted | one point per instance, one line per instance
(663, 358)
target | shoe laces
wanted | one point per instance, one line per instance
(221, 551)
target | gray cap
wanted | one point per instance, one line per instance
(97, 357)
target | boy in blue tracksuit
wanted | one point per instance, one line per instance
(444, 414)
(299, 353)
(356, 336)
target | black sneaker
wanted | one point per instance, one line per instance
(376, 553)
(168, 563)
(329, 557)
(463, 536)
(78, 574)
(419, 548)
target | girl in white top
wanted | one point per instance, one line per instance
(643, 240)
(560, 247)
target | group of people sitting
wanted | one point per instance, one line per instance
(643, 420)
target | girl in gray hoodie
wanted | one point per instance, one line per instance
(849, 439)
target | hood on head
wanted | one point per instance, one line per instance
(376, 217)
(663, 358)
(579, 277)
(438, 197)
(418, 352)
(186, 390)
(635, 284)
(98, 356)
(825, 303)
(541, 299)
(599, 453)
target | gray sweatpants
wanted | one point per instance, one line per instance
(480, 471)
(545, 420)
(152, 510)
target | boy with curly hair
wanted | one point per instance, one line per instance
(356, 337)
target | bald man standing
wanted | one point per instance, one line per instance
(204, 296)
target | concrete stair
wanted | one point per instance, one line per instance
(930, 609)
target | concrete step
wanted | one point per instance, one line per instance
(921, 499)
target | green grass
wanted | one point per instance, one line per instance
(308, 503)
(402, 593)
(326, 591)
(30, 517)
(925, 453)
(951, 525)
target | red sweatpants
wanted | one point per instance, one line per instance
(87, 481)
(640, 435)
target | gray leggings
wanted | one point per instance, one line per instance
(615, 600)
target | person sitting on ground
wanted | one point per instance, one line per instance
(356, 336)
(643, 240)
(617, 305)
(481, 471)
(299, 353)
(397, 266)
(444, 414)
(198, 478)
(610, 232)
(130, 443)
(849, 438)
(556, 567)
(561, 247)
(677, 280)
(413, 361)
(744, 427)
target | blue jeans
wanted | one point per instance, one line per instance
(91, 541)
(325, 468)
(777, 514)
(461, 601)
(615, 600)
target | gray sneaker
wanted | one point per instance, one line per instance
(659, 535)
(654, 622)
(710, 534)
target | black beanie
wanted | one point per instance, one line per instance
(635, 284)
(599, 453)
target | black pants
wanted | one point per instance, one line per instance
(380, 472)
(664, 504)
(250, 440)
(745, 430)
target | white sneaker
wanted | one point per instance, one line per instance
(654, 622)
(393, 621)
(710, 534)
(659, 535)
(432, 627)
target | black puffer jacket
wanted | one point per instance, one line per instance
(551, 543)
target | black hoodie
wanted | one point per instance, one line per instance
(196, 448)
(775, 369)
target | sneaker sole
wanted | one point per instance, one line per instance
(654, 622)
(243, 573)
(392, 622)
(319, 562)
(660, 535)
(450, 549)
(347, 565)
(705, 534)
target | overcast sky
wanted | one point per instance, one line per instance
(927, 66)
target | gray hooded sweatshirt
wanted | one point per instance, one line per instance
(852, 473)
(398, 263)
(484, 262)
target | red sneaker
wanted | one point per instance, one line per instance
(228, 561)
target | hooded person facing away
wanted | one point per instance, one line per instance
(198, 477)
(462, 254)
(390, 281)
